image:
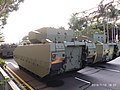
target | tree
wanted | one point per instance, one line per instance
(77, 23)
(7, 6)
(103, 18)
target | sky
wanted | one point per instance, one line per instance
(35, 14)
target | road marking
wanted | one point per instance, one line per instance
(14, 65)
(82, 80)
(10, 83)
(108, 69)
(112, 70)
(20, 78)
(20, 85)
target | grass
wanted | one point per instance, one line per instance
(2, 62)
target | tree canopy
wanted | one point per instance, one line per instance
(7, 6)
(104, 13)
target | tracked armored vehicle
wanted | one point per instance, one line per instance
(100, 52)
(6, 50)
(51, 51)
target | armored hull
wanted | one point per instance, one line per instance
(50, 58)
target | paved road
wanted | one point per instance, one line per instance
(97, 77)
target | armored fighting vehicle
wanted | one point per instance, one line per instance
(52, 51)
(6, 50)
(100, 51)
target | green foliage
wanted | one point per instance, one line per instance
(2, 62)
(5, 80)
(7, 6)
(77, 23)
(1, 2)
(77, 33)
(96, 21)
(91, 30)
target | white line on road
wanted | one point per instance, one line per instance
(108, 69)
(14, 65)
(82, 80)
(113, 70)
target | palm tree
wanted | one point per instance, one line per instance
(113, 16)
(106, 13)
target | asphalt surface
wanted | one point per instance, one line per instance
(105, 76)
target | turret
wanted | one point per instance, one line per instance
(50, 35)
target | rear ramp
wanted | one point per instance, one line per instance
(35, 58)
